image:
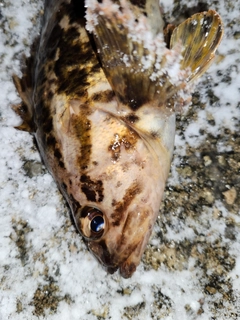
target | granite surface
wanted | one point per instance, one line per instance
(191, 267)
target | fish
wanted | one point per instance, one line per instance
(100, 92)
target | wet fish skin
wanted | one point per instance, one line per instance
(106, 133)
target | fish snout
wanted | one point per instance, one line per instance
(101, 253)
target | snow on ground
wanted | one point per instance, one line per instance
(191, 267)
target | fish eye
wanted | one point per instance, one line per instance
(91, 223)
(97, 224)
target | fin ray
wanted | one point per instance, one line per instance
(200, 36)
(25, 108)
(24, 87)
(134, 58)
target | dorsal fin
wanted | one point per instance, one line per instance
(132, 51)
(135, 59)
(200, 36)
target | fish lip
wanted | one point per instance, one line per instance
(101, 253)
(110, 270)
(127, 269)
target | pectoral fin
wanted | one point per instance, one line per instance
(200, 36)
(24, 86)
(24, 109)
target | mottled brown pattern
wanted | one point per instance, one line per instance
(62, 65)
(139, 3)
(128, 140)
(67, 77)
(103, 96)
(61, 62)
(132, 118)
(115, 148)
(58, 155)
(70, 69)
(51, 141)
(92, 189)
(130, 88)
(122, 206)
(81, 126)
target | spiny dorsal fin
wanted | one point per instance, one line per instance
(149, 8)
(200, 36)
(134, 56)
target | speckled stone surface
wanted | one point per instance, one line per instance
(191, 267)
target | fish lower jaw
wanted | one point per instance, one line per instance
(126, 269)
(126, 266)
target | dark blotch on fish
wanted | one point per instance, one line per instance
(81, 126)
(104, 96)
(92, 189)
(128, 140)
(121, 207)
(140, 3)
(132, 118)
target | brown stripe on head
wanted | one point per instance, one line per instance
(122, 206)
(93, 189)
(81, 126)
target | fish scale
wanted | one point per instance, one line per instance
(100, 95)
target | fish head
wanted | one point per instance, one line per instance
(117, 246)
(120, 197)
(117, 230)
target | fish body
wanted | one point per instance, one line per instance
(100, 95)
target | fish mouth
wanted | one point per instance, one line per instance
(112, 262)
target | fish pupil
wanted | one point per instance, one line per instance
(97, 224)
